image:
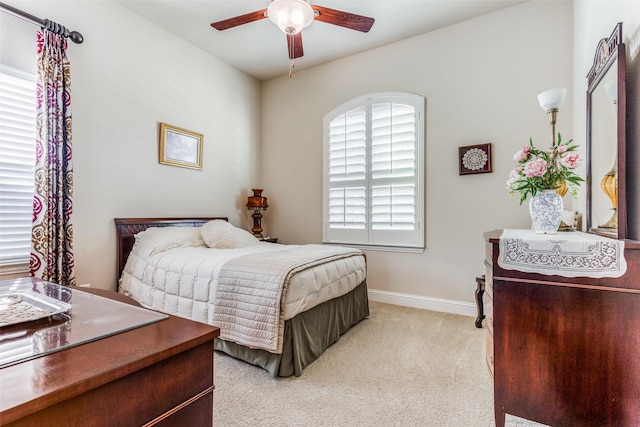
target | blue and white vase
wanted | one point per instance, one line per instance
(545, 209)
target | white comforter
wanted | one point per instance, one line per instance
(183, 280)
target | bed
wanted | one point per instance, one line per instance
(321, 300)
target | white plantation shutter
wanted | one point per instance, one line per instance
(347, 207)
(17, 159)
(393, 166)
(347, 171)
(374, 172)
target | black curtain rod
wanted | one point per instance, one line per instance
(75, 36)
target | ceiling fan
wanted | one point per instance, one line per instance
(291, 16)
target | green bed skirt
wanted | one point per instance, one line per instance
(307, 335)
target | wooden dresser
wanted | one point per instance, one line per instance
(564, 351)
(159, 374)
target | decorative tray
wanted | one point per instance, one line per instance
(21, 306)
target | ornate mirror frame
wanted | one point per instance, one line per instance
(606, 142)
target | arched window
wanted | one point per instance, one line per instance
(374, 172)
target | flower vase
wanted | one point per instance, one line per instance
(545, 209)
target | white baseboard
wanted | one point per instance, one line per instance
(426, 303)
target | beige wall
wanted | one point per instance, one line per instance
(480, 79)
(128, 76)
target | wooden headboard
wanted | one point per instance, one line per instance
(127, 228)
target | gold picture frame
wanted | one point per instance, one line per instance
(474, 159)
(180, 147)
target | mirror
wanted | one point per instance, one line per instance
(606, 147)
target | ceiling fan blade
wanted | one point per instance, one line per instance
(294, 44)
(239, 20)
(343, 19)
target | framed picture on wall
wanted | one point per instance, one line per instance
(474, 159)
(180, 147)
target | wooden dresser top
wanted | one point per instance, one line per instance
(38, 383)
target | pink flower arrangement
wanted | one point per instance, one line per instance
(535, 168)
(539, 170)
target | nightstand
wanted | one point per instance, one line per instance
(269, 239)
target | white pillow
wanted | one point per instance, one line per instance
(154, 240)
(223, 235)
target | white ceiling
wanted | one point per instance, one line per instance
(260, 48)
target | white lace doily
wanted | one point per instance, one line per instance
(13, 309)
(573, 254)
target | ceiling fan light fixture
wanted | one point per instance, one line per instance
(291, 16)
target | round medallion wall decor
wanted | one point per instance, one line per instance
(474, 159)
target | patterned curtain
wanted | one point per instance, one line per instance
(52, 233)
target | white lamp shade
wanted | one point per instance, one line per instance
(552, 99)
(290, 16)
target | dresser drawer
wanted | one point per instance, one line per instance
(488, 314)
(488, 320)
(488, 253)
(488, 281)
(489, 350)
(488, 305)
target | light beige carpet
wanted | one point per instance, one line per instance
(399, 367)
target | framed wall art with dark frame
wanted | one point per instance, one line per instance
(180, 147)
(474, 159)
